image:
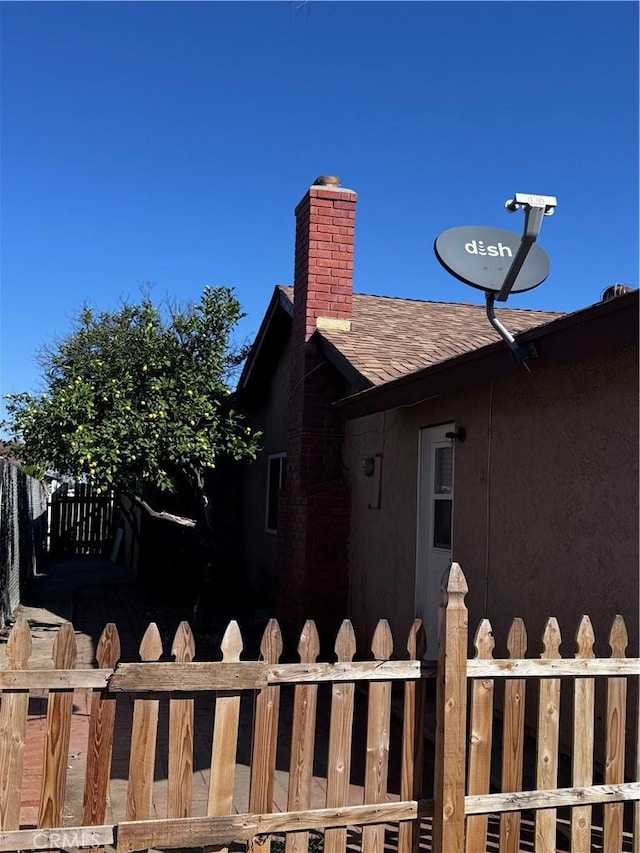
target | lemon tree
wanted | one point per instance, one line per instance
(140, 397)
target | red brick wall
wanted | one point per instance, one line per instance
(314, 509)
(323, 280)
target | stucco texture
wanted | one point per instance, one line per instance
(545, 502)
(259, 546)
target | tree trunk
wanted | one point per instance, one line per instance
(201, 609)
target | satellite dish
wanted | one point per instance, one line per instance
(500, 262)
(482, 257)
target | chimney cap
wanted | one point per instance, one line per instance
(327, 181)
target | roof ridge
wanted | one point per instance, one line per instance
(440, 302)
(453, 304)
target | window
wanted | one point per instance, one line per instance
(436, 482)
(275, 481)
(442, 495)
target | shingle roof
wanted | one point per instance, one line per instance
(391, 337)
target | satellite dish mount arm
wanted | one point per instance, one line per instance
(535, 207)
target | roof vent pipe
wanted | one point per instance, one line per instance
(615, 290)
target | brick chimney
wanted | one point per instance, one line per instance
(314, 507)
(323, 280)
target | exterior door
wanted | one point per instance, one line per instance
(435, 527)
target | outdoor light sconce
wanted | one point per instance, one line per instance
(371, 466)
(459, 435)
(368, 466)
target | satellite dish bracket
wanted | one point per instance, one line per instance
(535, 207)
(521, 352)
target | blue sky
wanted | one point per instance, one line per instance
(170, 142)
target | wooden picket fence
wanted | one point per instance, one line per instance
(465, 721)
(458, 814)
(153, 682)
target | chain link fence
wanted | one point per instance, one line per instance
(23, 533)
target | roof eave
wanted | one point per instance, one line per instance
(279, 302)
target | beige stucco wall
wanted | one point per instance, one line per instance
(545, 507)
(259, 547)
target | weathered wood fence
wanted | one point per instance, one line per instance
(153, 682)
(465, 720)
(465, 710)
(81, 521)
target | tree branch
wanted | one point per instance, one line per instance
(164, 516)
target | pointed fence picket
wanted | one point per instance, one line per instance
(583, 737)
(413, 739)
(614, 743)
(101, 728)
(451, 716)
(513, 739)
(302, 739)
(164, 691)
(181, 721)
(265, 734)
(13, 727)
(548, 740)
(57, 734)
(378, 725)
(480, 738)
(144, 731)
(225, 734)
(340, 739)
